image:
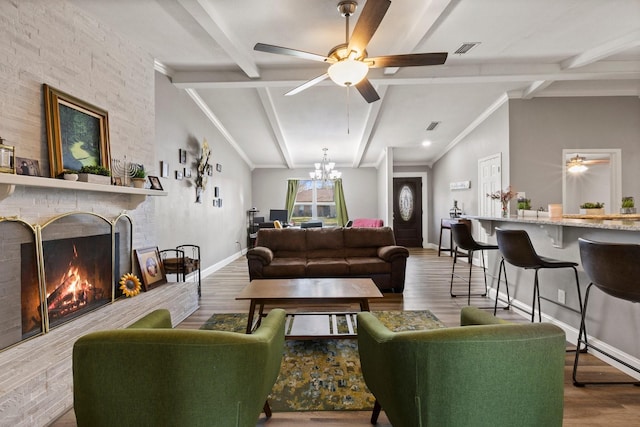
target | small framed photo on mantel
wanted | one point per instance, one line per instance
(29, 167)
(155, 182)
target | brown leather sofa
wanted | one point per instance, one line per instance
(329, 252)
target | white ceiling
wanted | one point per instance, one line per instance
(529, 48)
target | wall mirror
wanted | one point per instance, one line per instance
(597, 178)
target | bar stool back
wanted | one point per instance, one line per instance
(463, 239)
(614, 269)
(516, 249)
(445, 224)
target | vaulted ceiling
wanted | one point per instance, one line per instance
(527, 49)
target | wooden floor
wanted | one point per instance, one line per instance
(427, 287)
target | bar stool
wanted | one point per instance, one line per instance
(461, 235)
(516, 249)
(614, 269)
(445, 224)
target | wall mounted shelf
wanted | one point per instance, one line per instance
(8, 183)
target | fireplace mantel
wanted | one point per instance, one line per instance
(8, 183)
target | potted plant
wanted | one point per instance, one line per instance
(524, 205)
(592, 208)
(628, 205)
(69, 174)
(138, 178)
(95, 174)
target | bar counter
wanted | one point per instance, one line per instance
(554, 227)
(613, 322)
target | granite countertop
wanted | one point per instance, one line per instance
(567, 221)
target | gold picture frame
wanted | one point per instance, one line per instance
(7, 158)
(151, 267)
(77, 132)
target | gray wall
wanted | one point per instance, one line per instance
(269, 189)
(540, 128)
(181, 124)
(531, 135)
(461, 164)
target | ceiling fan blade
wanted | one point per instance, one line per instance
(409, 60)
(595, 161)
(368, 22)
(307, 84)
(367, 91)
(269, 48)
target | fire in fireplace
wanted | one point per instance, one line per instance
(78, 279)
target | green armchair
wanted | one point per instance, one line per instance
(486, 373)
(150, 374)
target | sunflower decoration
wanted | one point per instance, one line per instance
(130, 285)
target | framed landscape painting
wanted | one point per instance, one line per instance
(77, 132)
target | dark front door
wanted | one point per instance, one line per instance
(407, 211)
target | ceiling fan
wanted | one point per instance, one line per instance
(349, 61)
(579, 163)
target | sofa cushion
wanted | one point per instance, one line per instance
(285, 267)
(325, 243)
(366, 241)
(362, 266)
(285, 242)
(327, 267)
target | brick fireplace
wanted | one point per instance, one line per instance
(35, 360)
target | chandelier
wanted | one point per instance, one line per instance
(576, 164)
(325, 169)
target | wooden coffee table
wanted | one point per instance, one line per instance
(283, 292)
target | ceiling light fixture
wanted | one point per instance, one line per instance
(348, 72)
(576, 164)
(325, 169)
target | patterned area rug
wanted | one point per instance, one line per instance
(324, 375)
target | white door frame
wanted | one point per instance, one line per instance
(487, 207)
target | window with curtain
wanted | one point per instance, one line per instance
(315, 201)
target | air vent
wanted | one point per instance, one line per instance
(466, 47)
(432, 125)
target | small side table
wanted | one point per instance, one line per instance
(445, 224)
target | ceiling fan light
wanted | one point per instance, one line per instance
(577, 168)
(576, 165)
(348, 72)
